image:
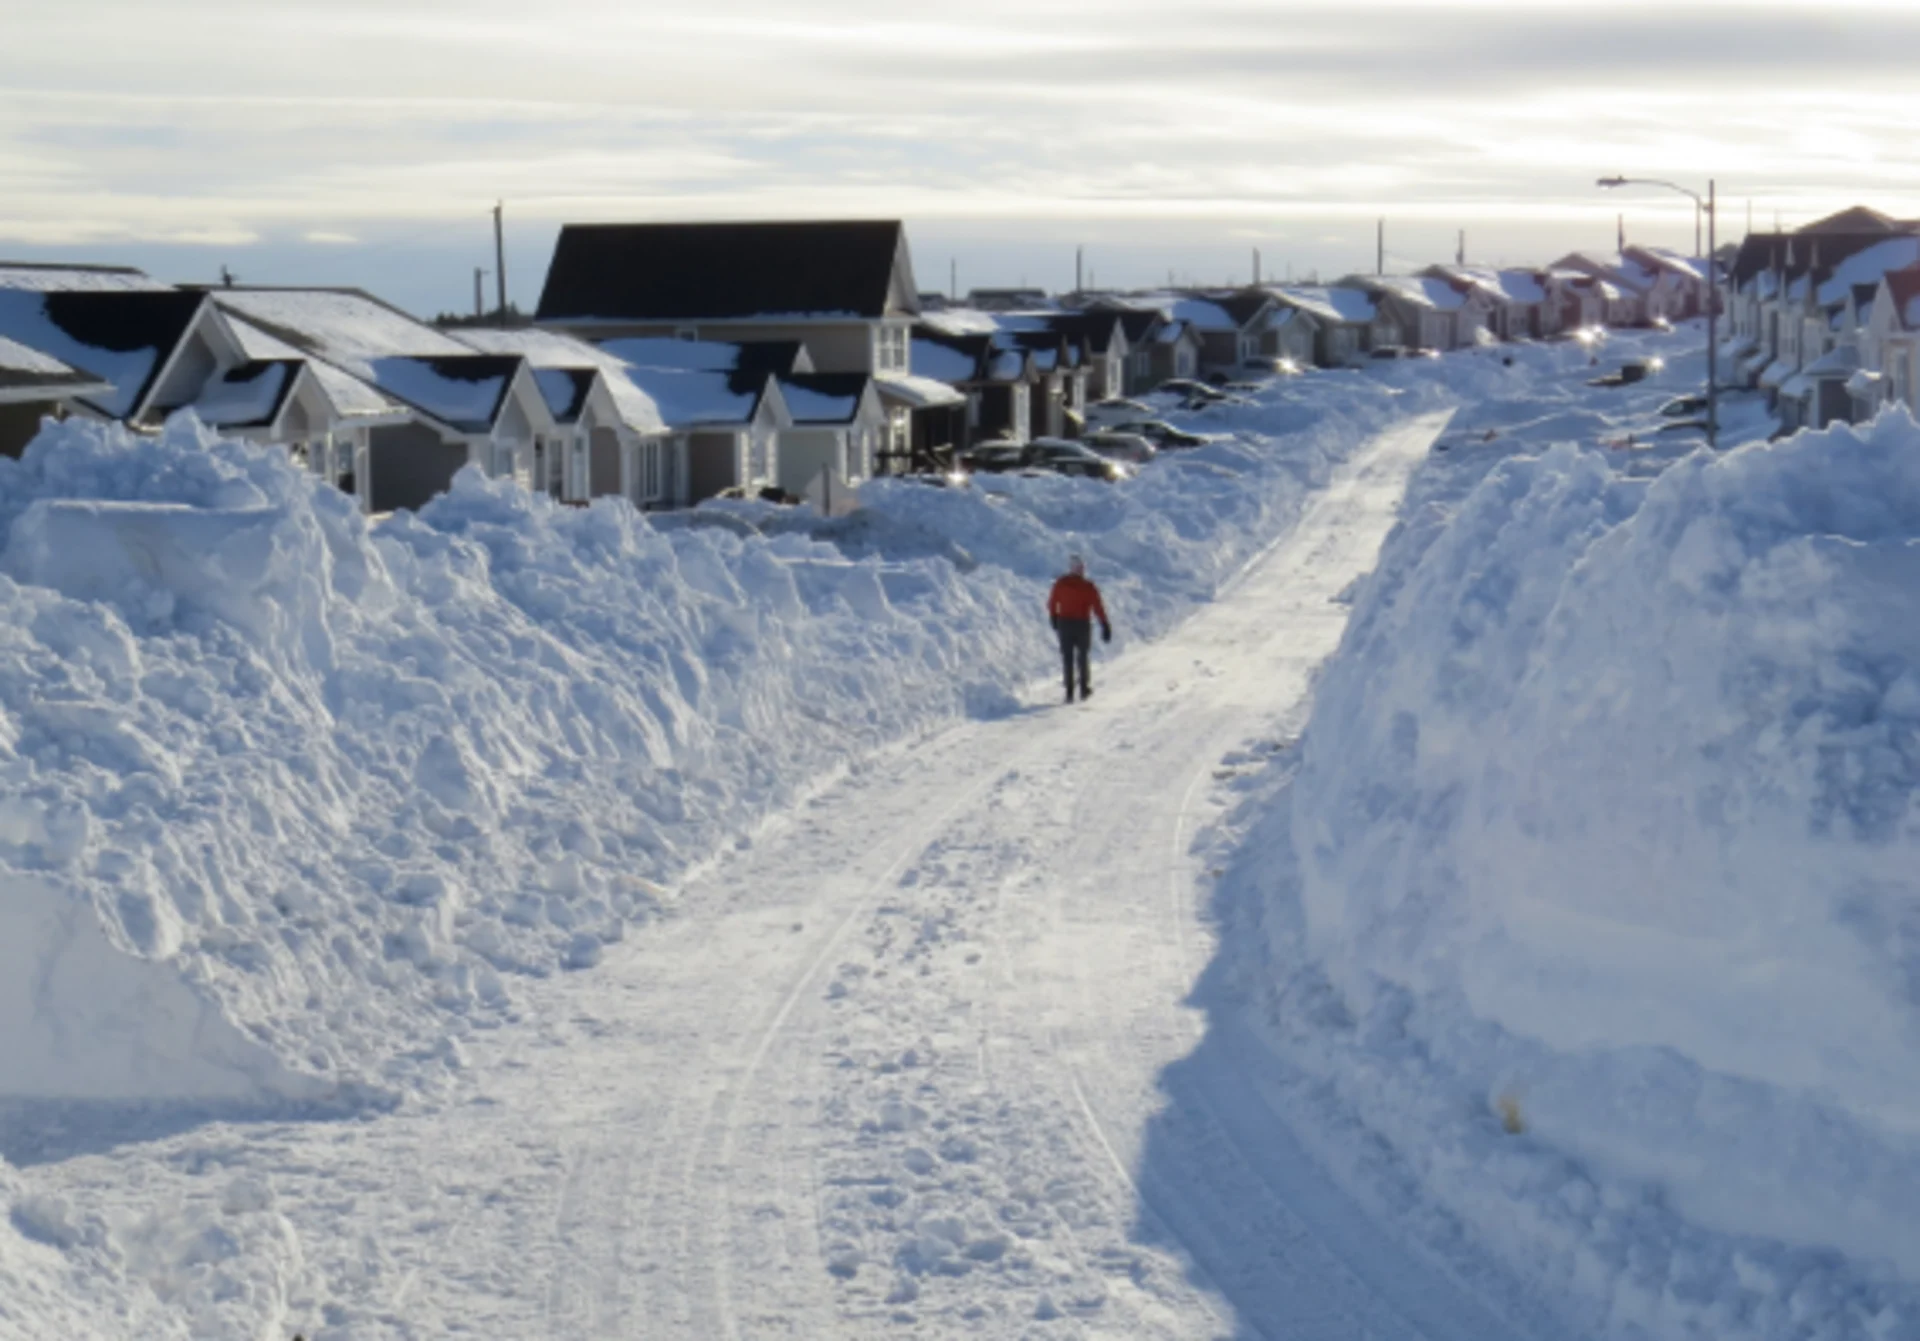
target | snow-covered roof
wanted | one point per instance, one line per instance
(916, 392)
(1866, 267)
(352, 397)
(248, 396)
(406, 359)
(1202, 314)
(565, 390)
(75, 278)
(1840, 361)
(688, 398)
(464, 391)
(1424, 291)
(1336, 303)
(1865, 382)
(824, 398)
(27, 373)
(343, 326)
(943, 361)
(962, 321)
(123, 336)
(554, 351)
(1777, 372)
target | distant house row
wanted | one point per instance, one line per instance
(1826, 318)
(668, 363)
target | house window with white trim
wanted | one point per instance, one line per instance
(890, 349)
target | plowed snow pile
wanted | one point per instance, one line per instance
(1607, 836)
(288, 800)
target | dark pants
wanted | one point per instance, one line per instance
(1076, 640)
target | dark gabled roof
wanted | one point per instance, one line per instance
(779, 357)
(445, 403)
(1858, 219)
(1138, 323)
(130, 332)
(1758, 252)
(565, 390)
(1243, 306)
(721, 271)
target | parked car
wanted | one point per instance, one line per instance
(992, 458)
(1070, 458)
(1272, 367)
(1402, 352)
(1133, 448)
(1163, 435)
(1681, 407)
(1188, 389)
(1114, 410)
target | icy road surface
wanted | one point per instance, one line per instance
(890, 1068)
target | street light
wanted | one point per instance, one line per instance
(1713, 284)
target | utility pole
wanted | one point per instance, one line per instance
(953, 278)
(1079, 264)
(1256, 267)
(1380, 248)
(1713, 322)
(500, 258)
(1620, 232)
(1460, 253)
(479, 309)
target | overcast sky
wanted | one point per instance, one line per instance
(363, 141)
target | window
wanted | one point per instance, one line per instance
(890, 351)
(686, 332)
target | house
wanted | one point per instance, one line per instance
(1508, 304)
(1680, 283)
(724, 429)
(1231, 325)
(1140, 327)
(844, 289)
(35, 387)
(1174, 351)
(1422, 310)
(1343, 318)
(610, 437)
(456, 406)
(1895, 338)
(154, 348)
(1631, 284)
(995, 380)
(1098, 335)
(839, 427)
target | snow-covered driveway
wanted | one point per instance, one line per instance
(890, 1067)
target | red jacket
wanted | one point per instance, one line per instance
(1075, 597)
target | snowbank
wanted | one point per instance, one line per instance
(287, 802)
(1605, 823)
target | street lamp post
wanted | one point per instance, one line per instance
(1713, 284)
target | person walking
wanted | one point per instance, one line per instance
(1072, 607)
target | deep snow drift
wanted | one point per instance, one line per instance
(288, 800)
(1593, 891)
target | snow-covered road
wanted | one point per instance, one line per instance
(891, 1067)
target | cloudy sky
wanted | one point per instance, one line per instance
(364, 141)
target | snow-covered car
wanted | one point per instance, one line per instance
(1385, 352)
(992, 457)
(1188, 389)
(1682, 407)
(1163, 435)
(1115, 410)
(1132, 448)
(1272, 367)
(1070, 458)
